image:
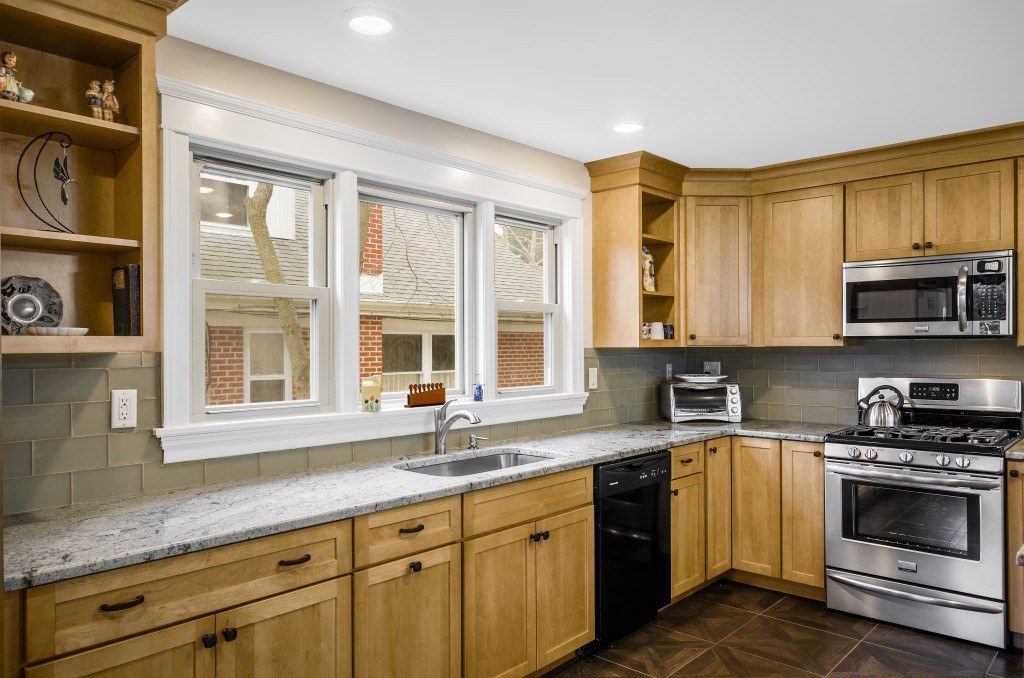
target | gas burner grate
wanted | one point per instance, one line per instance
(938, 434)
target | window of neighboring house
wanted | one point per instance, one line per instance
(409, 293)
(526, 302)
(260, 286)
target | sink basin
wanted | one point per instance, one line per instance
(494, 460)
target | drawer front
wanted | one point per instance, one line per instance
(687, 460)
(398, 532)
(98, 608)
(498, 507)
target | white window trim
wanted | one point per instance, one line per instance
(196, 116)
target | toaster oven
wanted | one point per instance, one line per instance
(684, 401)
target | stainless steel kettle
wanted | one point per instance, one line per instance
(881, 412)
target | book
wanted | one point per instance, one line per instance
(127, 297)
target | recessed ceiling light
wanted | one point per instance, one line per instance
(370, 20)
(224, 215)
(205, 189)
(629, 127)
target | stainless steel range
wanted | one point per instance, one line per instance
(914, 513)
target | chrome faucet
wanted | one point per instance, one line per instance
(443, 423)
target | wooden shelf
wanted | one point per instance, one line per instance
(86, 344)
(64, 242)
(659, 343)
(656, 240)
(29, 120)
(658, 294)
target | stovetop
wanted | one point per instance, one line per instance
(987, 441)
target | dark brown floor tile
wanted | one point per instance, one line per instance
(592, 667)
(949, 651)
(724, 661)
(800, 646)
(742, 596)
(814, 614)
(656, 651)
(703, 619)
(1008, 663)
(877, 661)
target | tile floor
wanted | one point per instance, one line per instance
(729, 629)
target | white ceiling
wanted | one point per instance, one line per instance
(723, 83)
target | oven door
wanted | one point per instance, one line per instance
(701, 401)
(943, 530)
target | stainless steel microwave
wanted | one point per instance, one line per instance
(959, 295)
(683, 401)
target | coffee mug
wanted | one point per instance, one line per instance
(645, 330)
(657, 330)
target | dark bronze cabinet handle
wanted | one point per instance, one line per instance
(545, 534)
(928, 245)
(209, 640)
(675, 493)
(410, 530)
(416, 566)
(693, 336)
(916, 246)
(817, 453)
(230, 634)
(837, 336)
(712, 450)
(304, 558)
(535, 537)
(1014, 473)
(117, 607)
(688, 460)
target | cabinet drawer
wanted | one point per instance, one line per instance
(498, 507)
(687, 460)
(80, 612)
(397, 532)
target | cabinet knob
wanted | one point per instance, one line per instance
(693, 336)
(712, 450)
(837, 336)
(1014, 473)
(545, 534)
(817, 453)
(209, 640)
(535, 537)
(916, 246)
(675, 493)
(416, 566)
(230, 634)
(928, 245)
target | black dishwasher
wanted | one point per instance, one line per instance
(631, 500)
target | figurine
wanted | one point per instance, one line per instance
(647, 261)
(369, 392)
(95, 97)
(10, 88)
(110, 105)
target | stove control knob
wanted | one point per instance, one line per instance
(906, 457)
(942, 460)
(854, 452)
(870, 453)
(963, 462)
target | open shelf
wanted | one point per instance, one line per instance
(658, 294)
(86, 344)
(64, 242)
(659, 343)
(29, 120)
(657, 240)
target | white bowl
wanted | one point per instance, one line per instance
(57, 331)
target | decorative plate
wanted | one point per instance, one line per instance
(57, 331)
(28, 302)
(701, 378)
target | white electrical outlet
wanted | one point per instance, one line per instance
(124, 408)
(712, 367)
(668, 370)
(593, 378)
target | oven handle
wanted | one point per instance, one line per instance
(875, 588)
(961, 298)
(973, 484)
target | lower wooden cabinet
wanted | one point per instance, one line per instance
(718, 505)
(687, 522)
(408, 616)
(756, 499)
(528, 595)
(1014, 539)
(803, 512)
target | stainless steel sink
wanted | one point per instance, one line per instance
(494, 460)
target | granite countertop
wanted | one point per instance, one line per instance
(51, 545)
(1016, 453)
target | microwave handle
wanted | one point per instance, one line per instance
(961, 298)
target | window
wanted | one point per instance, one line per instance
(222, 205)
(268, 374)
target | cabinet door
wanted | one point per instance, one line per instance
(799, 260)
(499, 630)
(174, 652)
(755, 506)
(1014, 540)
(565, 584)
(717, 247)
(969, 208)
(718, 502)
(803, 512)
(687, 521)
(407, 616)
(307, 632)
(885, 218)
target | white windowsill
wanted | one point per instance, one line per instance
(231, 438)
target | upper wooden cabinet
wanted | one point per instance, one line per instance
(756, 499)
(797, 260)
(716, 252)
(969, 208)
(803, 512)
(885, 218)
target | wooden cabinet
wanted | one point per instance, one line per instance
(408, 616)
(969, 208)
(1014, 539)
(718, 505)
(505, 505)
(687, 522)
(397, 532)
(717, 263)
(803, 512)
(756, 499)
(687, 459)
(885, 218)
(307, 632)
(797, 267)
(528, 595)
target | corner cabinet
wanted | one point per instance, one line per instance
(756, 501)
(885, 218)
(718, 494)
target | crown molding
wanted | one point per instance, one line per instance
(186, 91)
(717, 182)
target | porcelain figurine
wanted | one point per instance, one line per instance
(110, 106)
(10, 87)
(369, 393)
(647, 261)
(95, 97)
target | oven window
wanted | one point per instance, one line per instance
(931, 521)
(701, 400)
(910, 300)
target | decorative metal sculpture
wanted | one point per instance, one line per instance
(60, 173)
